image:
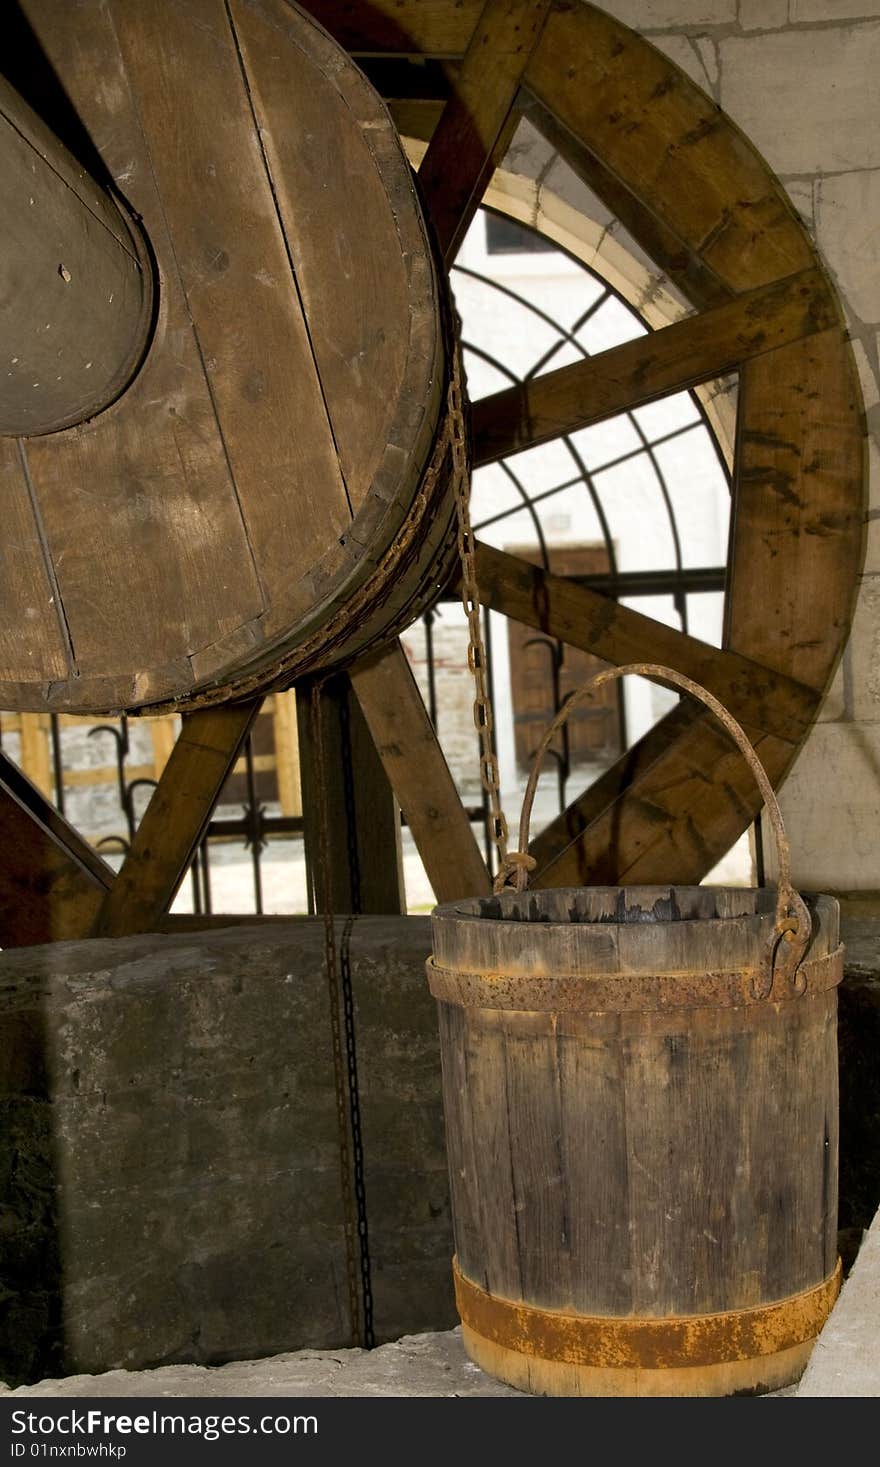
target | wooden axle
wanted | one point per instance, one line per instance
(76, 284)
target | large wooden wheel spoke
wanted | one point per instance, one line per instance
(703, 204)
(689, 352)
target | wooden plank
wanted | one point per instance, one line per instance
(541, 1188)
(175, 819)
(352, 819)
(593, 1144)
(51, 881)
(255, 344)
(28, 588)
(765, 699)
(675, 357)
(471, 134)
(319, 156)
(798, 495)
(419, 774)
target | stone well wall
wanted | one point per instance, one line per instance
(170, 1183)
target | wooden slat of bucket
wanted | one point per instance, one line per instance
(665, 1162)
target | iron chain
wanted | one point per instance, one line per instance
(470, 600)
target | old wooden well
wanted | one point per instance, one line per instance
(640, 1087)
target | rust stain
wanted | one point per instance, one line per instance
(646, 1343)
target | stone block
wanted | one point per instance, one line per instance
(763, 15)
(848, 207)
(648, 15)
(867, 369)
(864, 651)
(800, 191)
(833, 706)
(807, 10)
(169, 1166)
(845, 1361)
(831, 805)
(765, 79)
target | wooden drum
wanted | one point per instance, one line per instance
(271, 493)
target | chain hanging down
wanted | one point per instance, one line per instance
(470, 600)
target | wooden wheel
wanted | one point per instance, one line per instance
(699, 199)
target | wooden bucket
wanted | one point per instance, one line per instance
(640, 1087)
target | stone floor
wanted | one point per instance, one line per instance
(417, 1365)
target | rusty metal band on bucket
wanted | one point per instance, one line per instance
(624, 992)
(641, 1343)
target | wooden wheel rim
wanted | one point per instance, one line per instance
(697, 195)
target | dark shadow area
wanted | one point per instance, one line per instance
(31, 1332)
(26, 67)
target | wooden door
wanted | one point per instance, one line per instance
(543, 672)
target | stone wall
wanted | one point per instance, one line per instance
(169, 1146)
(800, 78)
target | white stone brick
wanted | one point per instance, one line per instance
(646, 15)
(833, 706)
(697, 58)
(867, 374)
(800, 191)
(847, 211)
(803, 96)
(763, 15)
(806, 10)
(864, 648)
(838, 771)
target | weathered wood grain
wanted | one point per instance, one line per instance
(694, 350)
(799, 477)
(267, 455)
(419, 774)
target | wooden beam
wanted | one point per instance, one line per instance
(764, 699)
(344, 785)
(472, 131)
(419, 775)
(675, 357)
(399, 27)
(175, 819)
(51, 881)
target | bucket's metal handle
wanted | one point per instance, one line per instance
(793, 924)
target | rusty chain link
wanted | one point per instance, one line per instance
(470, 600)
